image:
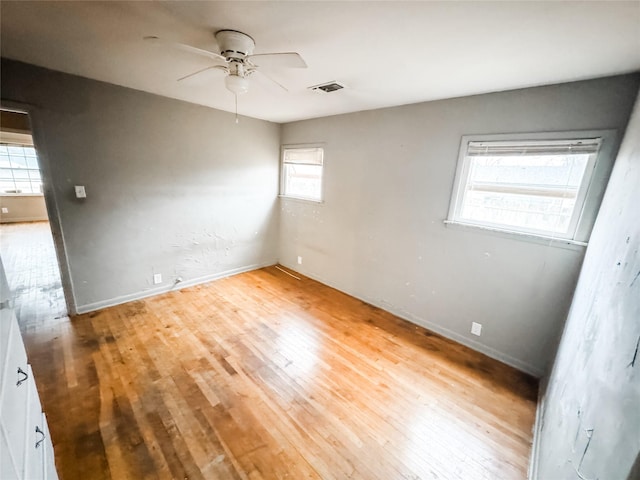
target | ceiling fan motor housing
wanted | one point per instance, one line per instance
(234, 45)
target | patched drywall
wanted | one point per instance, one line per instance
(590, 424)
(172, 188)
(379, 234)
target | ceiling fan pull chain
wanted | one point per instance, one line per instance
(236, 97)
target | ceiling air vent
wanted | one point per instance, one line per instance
(328, 87)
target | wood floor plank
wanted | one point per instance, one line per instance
(264, 376)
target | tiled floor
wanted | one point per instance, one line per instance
(31, 266)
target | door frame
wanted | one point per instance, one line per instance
(50, 199)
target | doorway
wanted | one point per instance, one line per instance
(27, 248)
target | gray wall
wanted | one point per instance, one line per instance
(594, 388)
(173, 188)
(22, 208)
(379, 235)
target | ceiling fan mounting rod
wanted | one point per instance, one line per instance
(234, 45)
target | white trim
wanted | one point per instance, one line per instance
(445, 332)
(50, 197)
(300, 199)
(529, 237)
(22, 219)
(532, 471)
(90, 307)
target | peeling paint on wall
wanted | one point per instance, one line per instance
(635, 354)
(594, 373)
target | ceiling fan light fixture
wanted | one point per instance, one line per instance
(237, 85)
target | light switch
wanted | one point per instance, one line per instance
(5, 210)
(476, 328)
(80, 192)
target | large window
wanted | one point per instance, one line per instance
(302, 172)
(534, 187)
(19, 171)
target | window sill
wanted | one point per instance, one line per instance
(527, 237)
(301, 199)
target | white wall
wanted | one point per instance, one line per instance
(172, 188)
(379, 235)
(595, 383)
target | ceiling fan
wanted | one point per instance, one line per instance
(237, 60)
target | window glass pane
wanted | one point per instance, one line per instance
(19, 171)
(20, 174)
(303, 181)
(302, 172)
(529, 212)
(15, 150)
(529, 192)
(561, 170)
(523, 192)
(18, 162)
(32, 162)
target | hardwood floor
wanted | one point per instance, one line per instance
(261, 375)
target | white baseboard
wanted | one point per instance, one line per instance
(532, 474)
(23, 219)
(434, 327)
(91, 307)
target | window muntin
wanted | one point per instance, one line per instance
(19, 171)
(535, 186)
(302, 170)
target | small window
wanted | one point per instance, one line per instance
(533, 187)
(302, 173)
(19, 172)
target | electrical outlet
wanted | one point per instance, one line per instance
(157, 278)
(476, 328)
(80, 191)
(5, 210)
(299, 260)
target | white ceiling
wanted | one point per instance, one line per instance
(387, 53)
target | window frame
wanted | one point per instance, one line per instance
(588, 197)
(301, 146)
(21, 140)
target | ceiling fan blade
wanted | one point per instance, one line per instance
(191, 75)
(278, 60)
(185, 48)
(260, 72)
